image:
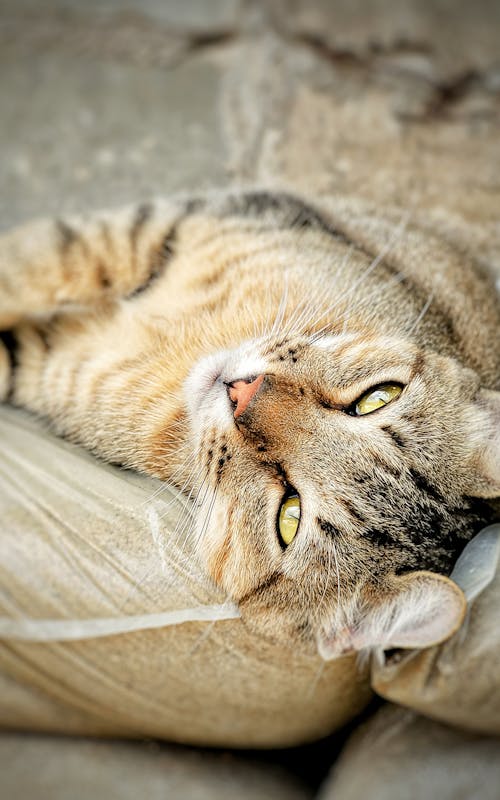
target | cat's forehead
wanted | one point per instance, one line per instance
(356, 343)
(350, 357)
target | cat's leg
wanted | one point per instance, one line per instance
(52, 265)
(78, 355)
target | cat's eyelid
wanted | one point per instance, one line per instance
(345, 396)
(353, 410)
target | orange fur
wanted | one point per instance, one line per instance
(114, 312)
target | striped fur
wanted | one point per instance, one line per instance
(121, 328)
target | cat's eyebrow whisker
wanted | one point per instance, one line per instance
(346, 315)
(304, 309)
(297, 321)
(313, 321)
(281, 308)
(369, 299)
(421, 315)
(303, 323)
(398, 232)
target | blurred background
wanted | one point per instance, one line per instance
(106, 101)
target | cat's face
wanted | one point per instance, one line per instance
(371, 438)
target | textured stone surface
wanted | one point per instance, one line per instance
(398, 102)
(400, 756)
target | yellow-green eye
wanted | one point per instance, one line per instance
(289, 518)
(376, 398)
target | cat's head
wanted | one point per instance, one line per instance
(340, 474)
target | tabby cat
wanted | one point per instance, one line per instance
(325, 383)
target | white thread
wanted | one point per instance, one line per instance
(65, 630)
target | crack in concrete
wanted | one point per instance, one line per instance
(442, 95)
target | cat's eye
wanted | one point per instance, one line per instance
(289, 518)
(376, 398)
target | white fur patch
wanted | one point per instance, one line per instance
(205, 388)
(332, 341)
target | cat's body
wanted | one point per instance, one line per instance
(223, 343)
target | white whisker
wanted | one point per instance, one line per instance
(422, 314)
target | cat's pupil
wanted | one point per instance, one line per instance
(289, 517)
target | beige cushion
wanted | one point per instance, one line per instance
(457, 682)
(54, 768)
(398, 755)
(97, 591)
(107, 626)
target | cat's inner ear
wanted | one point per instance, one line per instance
(484, 477)
(424, 609)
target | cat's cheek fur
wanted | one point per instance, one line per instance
(484, 467)
(423, 609)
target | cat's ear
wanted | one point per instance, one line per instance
(423, 609)
(484, 472)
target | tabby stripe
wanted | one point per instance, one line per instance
(425, 486)
(382, 538)
(102, 277)
(291, 212)
(72, 378)
(159, 257)
(142, 216)
(270, 581)
(328, 528)
(97, 383)
(349, 508)
(418, 365)
(294, 213)
(395, 436)
(379, 461)
(68, 238)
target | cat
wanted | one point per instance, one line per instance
(325, 380)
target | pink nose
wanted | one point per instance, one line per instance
(242, 391)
